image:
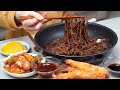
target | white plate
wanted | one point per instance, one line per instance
(23, 43)
(19, 75)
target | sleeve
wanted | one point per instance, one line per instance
(7, 20)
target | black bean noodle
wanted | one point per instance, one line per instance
(76, 40)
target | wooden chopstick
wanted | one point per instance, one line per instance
(36, 48)
(63, 17)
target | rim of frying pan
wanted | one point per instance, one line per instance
(89, 23)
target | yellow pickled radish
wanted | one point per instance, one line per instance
(13, 47)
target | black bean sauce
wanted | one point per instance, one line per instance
(114, 66)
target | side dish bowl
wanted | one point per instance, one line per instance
(13, 47)
(113, 65)
(47, 67)
(31, 73)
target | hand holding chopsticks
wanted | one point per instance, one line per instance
(62, 17)
(34, 21)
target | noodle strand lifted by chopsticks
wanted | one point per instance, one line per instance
(76, 40)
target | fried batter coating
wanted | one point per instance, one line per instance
(88, 67)
(77, 74)
(69, 69)
(81, 70)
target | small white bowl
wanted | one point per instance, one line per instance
(22, 42)
(19, 75)
(48, 59)
(112, 61)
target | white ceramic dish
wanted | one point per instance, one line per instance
(23, 43)
(19, 75)
(110, 61)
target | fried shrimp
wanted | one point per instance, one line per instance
(77, 74)
(88, 67)
(69, 69)
(81, 70)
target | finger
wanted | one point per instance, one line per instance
(43, 25)
(37, 15)
(30, 22)
(34, 27)
(28, 28)
(39, 25)
(44, 14)
(44, 21)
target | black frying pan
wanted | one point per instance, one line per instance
(52, 32)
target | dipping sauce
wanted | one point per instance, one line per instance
(47, 67)
(114, 66)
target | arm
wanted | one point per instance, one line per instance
(7, 20)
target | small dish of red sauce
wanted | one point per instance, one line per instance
(46, 68)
